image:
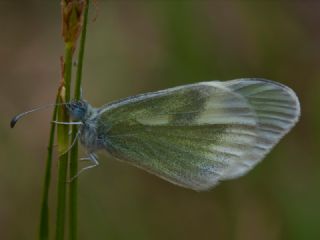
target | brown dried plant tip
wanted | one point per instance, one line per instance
(72, 19)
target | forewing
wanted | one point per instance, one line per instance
(190, 135)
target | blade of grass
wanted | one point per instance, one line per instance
(77, 90)
(63, 141)
(44, 214)
(73, 202)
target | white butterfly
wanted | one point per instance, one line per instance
(193, 135)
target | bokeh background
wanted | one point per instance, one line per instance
(141, 46)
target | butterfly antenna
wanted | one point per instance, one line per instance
(16, 118)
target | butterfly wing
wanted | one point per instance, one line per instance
(193, 135)
(277, 108)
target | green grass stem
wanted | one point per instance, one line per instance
(44, 214)
(73, 202)
(63, 144)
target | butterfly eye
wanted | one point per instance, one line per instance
(77, 110)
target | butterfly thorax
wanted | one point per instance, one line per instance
(82, 111)
(89, 136)
(89, 131)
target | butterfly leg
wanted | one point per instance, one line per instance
(93, 159)
(90, 158)
(72, 144)
(85, 159)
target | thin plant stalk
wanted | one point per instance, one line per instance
(72, 21)
(63, 142)
(77, 90)
(73, 202)
(44, 214)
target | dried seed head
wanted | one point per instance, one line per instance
(72, 19)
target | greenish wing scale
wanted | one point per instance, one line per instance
(190, 135)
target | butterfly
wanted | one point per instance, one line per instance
(193, 135)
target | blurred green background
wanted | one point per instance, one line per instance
(140, 46)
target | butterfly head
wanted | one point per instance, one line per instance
(77, 109)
